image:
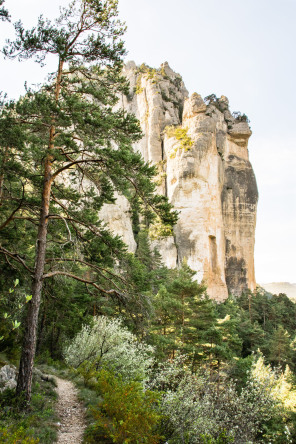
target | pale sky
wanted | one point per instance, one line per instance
(242, 49)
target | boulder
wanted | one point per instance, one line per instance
(8, 377)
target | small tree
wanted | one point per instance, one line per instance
(280, 350)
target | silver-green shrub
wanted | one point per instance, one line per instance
(107, 343)
(199, 406)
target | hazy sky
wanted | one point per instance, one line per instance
(241, 49)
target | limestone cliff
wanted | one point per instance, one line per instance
(201, 151)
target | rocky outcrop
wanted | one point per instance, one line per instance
(8, 375)
(201, 151)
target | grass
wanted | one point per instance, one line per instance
(90, 399)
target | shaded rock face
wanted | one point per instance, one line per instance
(202, 157)
(239, 202)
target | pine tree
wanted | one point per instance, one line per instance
(280, 350)
(61, 139)
(185, 318)
(201, 335)
(229, 322)
(164, 333)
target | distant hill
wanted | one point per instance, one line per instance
(281, 287)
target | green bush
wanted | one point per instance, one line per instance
(126, 413)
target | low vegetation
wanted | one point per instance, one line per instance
(185, 370)
(182, 136)
(36, 425)
(125, 413)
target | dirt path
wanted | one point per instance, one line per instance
(71, 413)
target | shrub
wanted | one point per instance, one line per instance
(12, 435)
(158, 229)
(277, 422)
(222, 438)
(198, 410)
(126, 413)
(240, 117)
(139, 89)
(108, 344)
(181, 134)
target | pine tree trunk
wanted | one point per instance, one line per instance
(24, 383)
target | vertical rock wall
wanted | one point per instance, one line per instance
(202, 155)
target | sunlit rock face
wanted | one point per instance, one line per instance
(118, 217)
(201, 151)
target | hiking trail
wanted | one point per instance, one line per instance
(71, 413)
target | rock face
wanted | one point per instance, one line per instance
(201, 151)
(118, 218)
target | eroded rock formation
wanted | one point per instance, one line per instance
(202, 154)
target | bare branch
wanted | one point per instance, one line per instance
(15, 257)
(100, 270)
(75, 162)
(68, 229)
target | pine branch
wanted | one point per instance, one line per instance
(15, 257)
(76, 162)
(98, 269)
(121, 296)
